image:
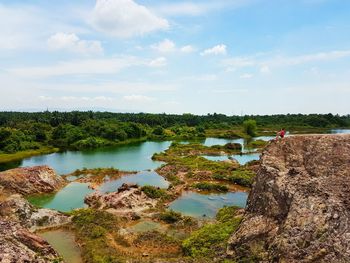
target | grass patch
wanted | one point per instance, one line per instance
(154, 192)
(257, 144)
(210, 187)
(92, 228)
(10, 157)
(170, 216)
(211, 239)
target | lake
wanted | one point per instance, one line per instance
(130, 157)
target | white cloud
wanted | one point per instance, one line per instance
(196, 8)
(184, 8)
(266, 63)
(168, 46)
(138, 98)
(265, 69)
(216, 50)
(187, 49)
(158, 62)
(164, 46)
(79, 67)
(125, 18)
(71, 42)
(246, 76)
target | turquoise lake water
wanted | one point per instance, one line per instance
(131, 157)
(198, 205)
(72, 196)
(242, 159)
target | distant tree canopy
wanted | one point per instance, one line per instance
(77, 130)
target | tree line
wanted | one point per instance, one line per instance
(78, 130)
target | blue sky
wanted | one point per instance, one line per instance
(224, 56)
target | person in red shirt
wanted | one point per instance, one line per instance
(281, 134)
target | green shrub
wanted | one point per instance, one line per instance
(211, 187)
(226, 213)
(249, 127)
(170, 216)
(153, 192)
(210, 240)
(242, 177)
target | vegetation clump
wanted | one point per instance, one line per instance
(211, 239)
(249, 127)
(170, 216)
(94, 230)
(154, 192)
(206, 186)
(243, 177)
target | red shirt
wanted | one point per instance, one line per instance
(282, 133)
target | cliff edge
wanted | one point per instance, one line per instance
(299, 207)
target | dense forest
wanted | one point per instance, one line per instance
(21, 131)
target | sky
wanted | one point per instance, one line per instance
(225, 56)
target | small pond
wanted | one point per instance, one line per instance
(197, 205)
(241, 159)
(340, 131)
(69, 198)
(72, 196)
(64, 243)
(141, 178)
(147, 225)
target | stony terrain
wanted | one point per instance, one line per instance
(299, 207)
(17, 209)
(17, 244)
(128, 199)
(31, 180)
(18, 218)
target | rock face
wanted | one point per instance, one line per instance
(128, 199)
(31, 180)
(17, 209)
(299, 207)
(19, 245)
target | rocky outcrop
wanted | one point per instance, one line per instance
(128, 199)
(17, 209)
(19, 245)
(31, 180)
(299, 207)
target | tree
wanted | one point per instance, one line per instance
(249, 127)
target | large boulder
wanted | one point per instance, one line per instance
(299, 207)
(19, 245)
(31, 180)
(17, 209)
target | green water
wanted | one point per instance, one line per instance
(206, 205)
(130, 157)
(67, 199)
(241, 159)
(147, 225)
(141, 178)
(72, 196)
(64, 243)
